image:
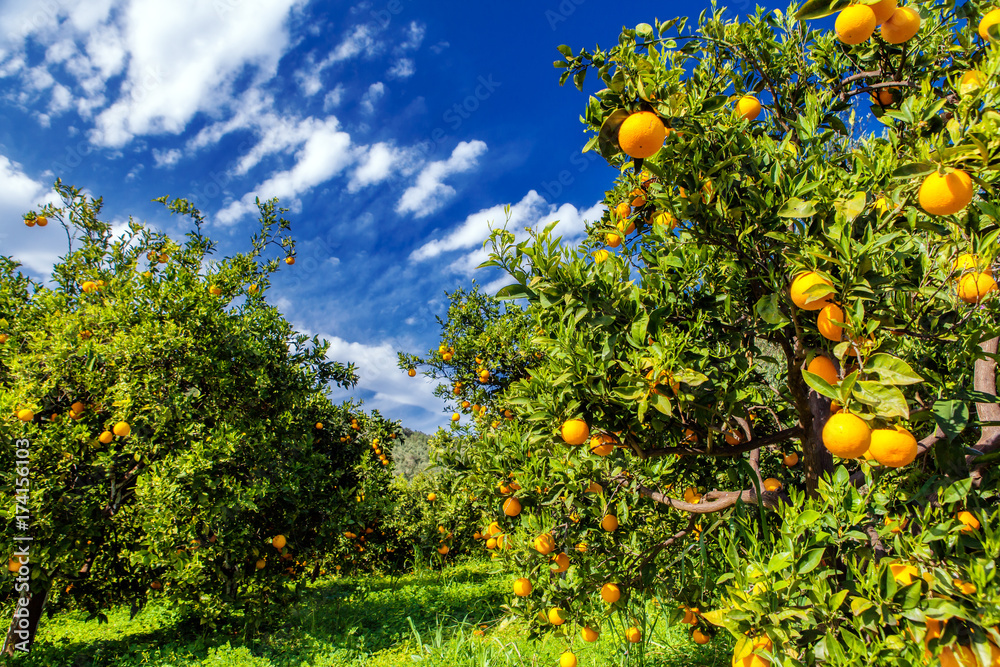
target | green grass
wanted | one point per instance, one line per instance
(425, 618)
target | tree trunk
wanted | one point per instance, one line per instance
(21, 635)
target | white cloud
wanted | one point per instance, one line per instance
(402, 69)
(167, 158)
(532, 211)
(359, 40)
(375, 92)
(430, 191)
(325, 153)
(415, 33)
(333, 98)
(378, 162)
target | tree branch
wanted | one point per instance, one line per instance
(716, 500)
(735, 450)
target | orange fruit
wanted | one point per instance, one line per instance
(825, 368)
(215, 290)
(748, 107)
(830, 322)
(992, 18)
(883, 10)
(885, 97)
(289, 261)
(855, 24)
(609, 523)
(623, 210)
(557, 616)
(904, 573)
(412, 372)
(562, 563)
(969, 521)
(431, 497)
(89, 286)
(522, 587)
(575, 432)
(544, 544)
(791, 459)
(964, 586)
(512, 507)
(966, 262)
(803, 282)
(610, 593)
(455, 417)
(602, 444)
(624, 228)
(106, 437)
(846, 435)
(893, 447)
(589, 635)
(491, 543)
(25, 415)
(41, 221)
(30, 222)
(699, 637)
(443, 550)
(122, 429)
(567, 659)
(772, 484)
(971, 82)
(753, 660)
(901, 26)
(945, 194)
(78, 407)
(613, 240)
(665, 218)
(601, 255)
(260, 564)
(279, 542)
(634, 635)
(642, 134)
(974, 287)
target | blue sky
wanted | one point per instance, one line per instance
(395, 130)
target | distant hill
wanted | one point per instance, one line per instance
(411, 455)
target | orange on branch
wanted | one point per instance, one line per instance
(575, 432)
(825, 368)
(846, 435)
(522, 587)
(974, 287)
(855, 24)
(801, 284)
(945, 194)
(642, 134)
(830, 322)
(901, 26)
(748, 107)
(894, 448)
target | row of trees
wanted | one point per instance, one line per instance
(762, 391)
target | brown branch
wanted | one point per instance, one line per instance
(735, 450)
(716, 500)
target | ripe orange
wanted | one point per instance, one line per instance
(30, 222)
(215, 290)
(25, 415)
(623, 210)
(642, 134)
(89, 286)
(626, 227)
(846, 435)
(945, 194)
(753, 660)
(575, 432)
(969, 521)
(522, 587)
(412, 372)
(895, 525)
(830, 322)
(106, 437)
(493, 529)
(588, 634)
(967, 262)
(699, 637)
(601, 255)
(772, 484)
(557, 616)
(602, 444)
(609, 523)
(885, 97)
(855, 24)
(567, 659)
(562, 563)
(431, 497)
(610, 593)
(964, 586)
(893, 447)
(748, 107)
(122, 429)
(512, 507)
(901, 26)
(825, 368)
(974, 287)
(802, 283)
(544, 544)
(491, 543)
(992, 18)
(791, 459)
(289, 260)
(455, 417)
(41, 221)
(665, 218)
(78, 407)
(883, 10)
(260, 564)
(279, 542)
(443, 550)
(613, 240)
(971, 82)
(634, 635)
(904, 573)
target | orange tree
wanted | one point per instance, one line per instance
(790, 303)
(181, 444)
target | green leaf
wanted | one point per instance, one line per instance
(796, 208)
(607, 139)
(811, 561)
(913, 170)
(957, 491)
(887, 400)
(852, 208)
(821, 386)
(951, 416)
(645, 30)
(892, 370)
(817, 9)
(515, 291)
(769, 310)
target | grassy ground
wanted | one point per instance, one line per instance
(428, 618)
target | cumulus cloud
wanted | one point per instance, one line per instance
(378, 163)
(402, 69)
(333, 98)
(324, 153)
(375, 92)
(430, 191)
(167, 158)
